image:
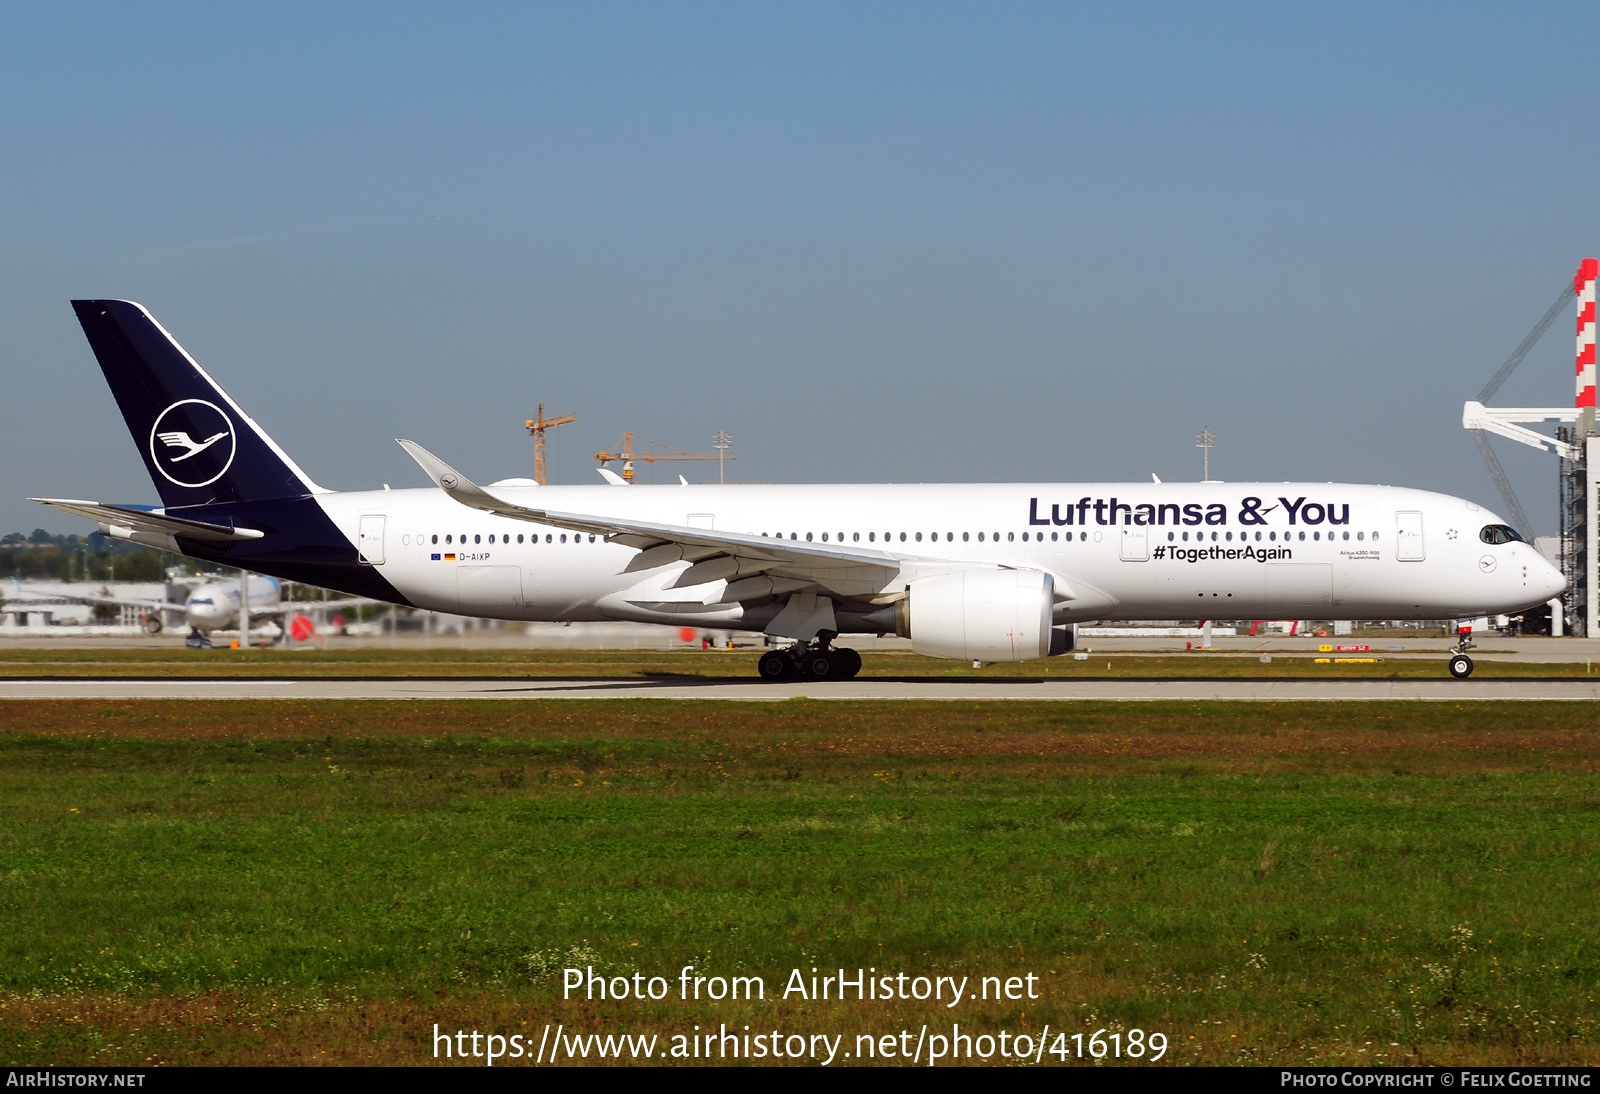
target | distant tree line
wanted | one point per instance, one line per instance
(93, 557)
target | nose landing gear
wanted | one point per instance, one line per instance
(816, 660)
(1460, 663)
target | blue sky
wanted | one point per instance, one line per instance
(874, 242)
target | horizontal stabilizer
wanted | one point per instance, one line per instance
(127, 519)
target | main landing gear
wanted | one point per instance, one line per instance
(817, 660)
(1460, 663)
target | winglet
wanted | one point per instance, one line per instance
(611, 477)
(1154, 479)
(457, 485)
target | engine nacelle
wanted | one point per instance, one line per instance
(983, 615)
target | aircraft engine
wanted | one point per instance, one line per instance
(983, 615)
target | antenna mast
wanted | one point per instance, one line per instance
(1206, 441)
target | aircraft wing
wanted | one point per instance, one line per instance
(128, 522)
(147, 605)
(318, 605)
(714, 555)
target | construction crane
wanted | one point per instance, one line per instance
(627, 455)
(536, 428)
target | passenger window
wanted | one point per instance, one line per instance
(1230, 537)
(919, 537)
(964, 536)
(1361, 535)
(980, 537)
(1011, 537)
(447, 539)
(491, 537)
(902, 537)
(563, 537)
(1316, 535)
(436, 539)
(808, 537)
(549, 539)
(1374, 536)
(872, 537)
(1053, 536)
(1170, 537)
(855, 537)
(1302, 537)
(824, 537)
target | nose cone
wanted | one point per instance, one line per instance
(203, 615)
(1550, 579)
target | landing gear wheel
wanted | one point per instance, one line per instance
(774, 666)
(818, 665)
(1461, 666)
(152, 625)
(846, 663)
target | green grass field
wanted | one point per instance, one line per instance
(254, 882)
(421, 661)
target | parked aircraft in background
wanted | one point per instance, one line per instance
(990, 572)
(214, 605)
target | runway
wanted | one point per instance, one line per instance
(740, 689)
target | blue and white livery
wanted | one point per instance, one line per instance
(980, 572)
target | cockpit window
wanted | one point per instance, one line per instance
(1499, 533)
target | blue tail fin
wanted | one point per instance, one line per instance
(198, 445)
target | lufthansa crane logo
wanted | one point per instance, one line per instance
(192, 443)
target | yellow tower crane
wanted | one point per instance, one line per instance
(627, 455)
(536, 428)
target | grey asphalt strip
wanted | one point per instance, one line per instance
(1440, 690)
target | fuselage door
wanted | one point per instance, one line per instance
(370, 540)
(1135, 544)
(1408, 540)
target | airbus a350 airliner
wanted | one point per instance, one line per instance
(980, 572)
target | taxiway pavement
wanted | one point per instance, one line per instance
(1443, 689)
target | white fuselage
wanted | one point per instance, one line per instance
(215, 605)
(1126, 551)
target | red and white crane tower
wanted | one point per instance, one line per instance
(1574, 442)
